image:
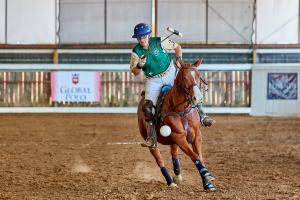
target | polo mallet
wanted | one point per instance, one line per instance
(173, 32)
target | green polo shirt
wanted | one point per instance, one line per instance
(157, 61)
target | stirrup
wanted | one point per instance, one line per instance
(150, 143)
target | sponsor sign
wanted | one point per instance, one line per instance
(75, 86)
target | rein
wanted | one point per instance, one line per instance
(189, 108)
(188, 98)
(186, 90)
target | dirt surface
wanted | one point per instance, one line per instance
(97, 156)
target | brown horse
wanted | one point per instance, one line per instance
(177, 111)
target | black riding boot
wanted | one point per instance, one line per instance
(205, 120)
(151, 140)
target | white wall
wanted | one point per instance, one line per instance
(260, 104)
(277, 21)
(31, 22)
(186, 16)
(2, 21)
(81, 21)
(123, 15)
(230, 21)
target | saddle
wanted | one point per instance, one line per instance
(158, 115)
(160, 100)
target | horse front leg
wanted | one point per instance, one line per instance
(197, 147)
(176, 164)
(205, 175)
(160, 162)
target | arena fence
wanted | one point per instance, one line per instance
(27, 88)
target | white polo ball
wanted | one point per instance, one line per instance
(165, 130)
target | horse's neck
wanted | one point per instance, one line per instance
(177, 100)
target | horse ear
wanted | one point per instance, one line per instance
(198, 62)
(180, 63)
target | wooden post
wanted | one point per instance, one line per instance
(55, 61)
(254, 56)
(154, 17)
(55, 56)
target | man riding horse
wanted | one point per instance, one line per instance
(151, 56)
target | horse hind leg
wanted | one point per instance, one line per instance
(160, 162)
(176, 164)
(176, 167)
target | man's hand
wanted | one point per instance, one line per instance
(178, 52)
(142, 62)
(178, 58)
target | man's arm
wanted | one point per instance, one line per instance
(170, 45)
(134, 60)
(178, 52)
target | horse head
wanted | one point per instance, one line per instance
(189, 81)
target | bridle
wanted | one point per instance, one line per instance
(189, 97)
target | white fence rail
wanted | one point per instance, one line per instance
(226, 81)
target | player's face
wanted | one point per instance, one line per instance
(144, 41)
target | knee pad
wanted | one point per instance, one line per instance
(147, 109)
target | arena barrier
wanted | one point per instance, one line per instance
(27, 88)
(275, 90)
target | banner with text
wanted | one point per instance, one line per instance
(75, 86)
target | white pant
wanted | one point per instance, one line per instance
(153, 85)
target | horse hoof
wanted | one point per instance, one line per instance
(173, 185)
(210, 177)
(177, 179)
(209, 187)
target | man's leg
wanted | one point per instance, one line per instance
(152, 91)
(205, 120)
(151, 140)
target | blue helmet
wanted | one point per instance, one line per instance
(141, 30)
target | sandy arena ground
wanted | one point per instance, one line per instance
(97, 156)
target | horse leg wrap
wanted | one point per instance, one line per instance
(176, 166)
(205, 175)
(165, 173)
(201, 168)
